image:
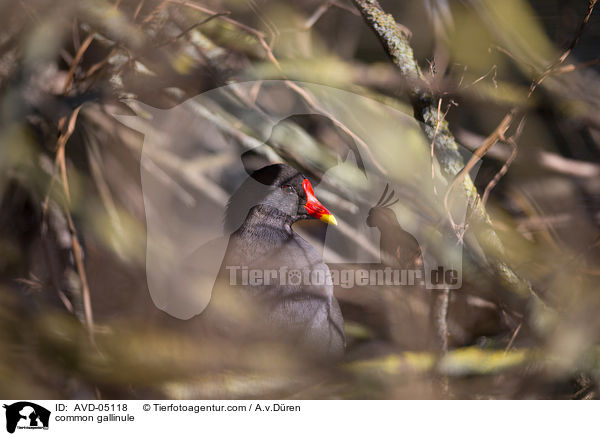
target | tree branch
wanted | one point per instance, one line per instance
(395, 42)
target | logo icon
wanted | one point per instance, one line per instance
(26, 415)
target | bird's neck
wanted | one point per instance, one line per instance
(265, 229)
(268, 217)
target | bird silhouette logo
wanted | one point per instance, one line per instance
(398, 247)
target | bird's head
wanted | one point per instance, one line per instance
(290, 192)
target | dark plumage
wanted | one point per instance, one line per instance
(305, 315)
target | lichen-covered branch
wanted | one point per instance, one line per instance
(395, 42)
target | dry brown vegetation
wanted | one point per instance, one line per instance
(514, 81)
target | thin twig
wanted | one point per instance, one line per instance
(512, 141)
(317, 14)
(193, 5)
(190, 28)
(493, 70)
(84, 46)
(98, 65)
(60, 164)
(137, 10)
(155, 11)
(271, 27)
(582, 25)
(497, 135)
(513, 337)
(572, 67)
(492, 184)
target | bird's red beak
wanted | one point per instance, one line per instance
(314, 206)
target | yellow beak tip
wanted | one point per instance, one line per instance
(330, 219)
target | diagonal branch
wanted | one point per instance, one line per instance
(396, 44)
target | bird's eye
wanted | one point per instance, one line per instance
(288, 189)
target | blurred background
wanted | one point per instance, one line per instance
(81, 83)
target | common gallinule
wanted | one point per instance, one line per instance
(272, 282)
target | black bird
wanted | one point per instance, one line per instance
(258, 293)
